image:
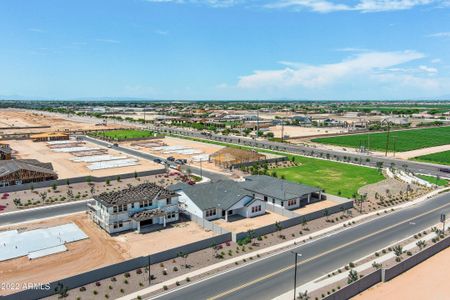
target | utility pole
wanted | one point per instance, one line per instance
(257, 122)
(387, 138)
(149, 273)
(295, 273)
(443, 223)
(395, 142)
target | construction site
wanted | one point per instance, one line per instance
(74, 244)
(74, 158)
(208, 156)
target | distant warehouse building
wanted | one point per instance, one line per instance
(19, 171)
(51, 136)
(135, 208)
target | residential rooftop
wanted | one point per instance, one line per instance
(142, 192)
(277, 188)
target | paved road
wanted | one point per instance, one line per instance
(52, 211)
(40, 213)
(273, 276)
(212, 175)
(365, 159)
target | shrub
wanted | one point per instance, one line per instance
(175, 269)
(165, 287)
(82, 289)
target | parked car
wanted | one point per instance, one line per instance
(116, 145)
(179, 161)
(171, 158)
(157, 160)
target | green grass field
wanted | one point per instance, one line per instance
(334, 177)
(403, 140)
(442, 158)
(125, 134)
(431, 179)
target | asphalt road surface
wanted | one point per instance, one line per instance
(40, 213)
(362, 158)
(211, 175)
(273, 276)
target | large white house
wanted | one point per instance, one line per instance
(134, 208)
(249, 198)
(219, 199)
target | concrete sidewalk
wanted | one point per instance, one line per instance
(288, 244)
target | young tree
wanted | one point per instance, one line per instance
(184, 255)
(352, 276)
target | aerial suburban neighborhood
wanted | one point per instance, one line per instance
(222, 149)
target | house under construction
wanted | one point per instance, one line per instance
(5, 152)
(19, 171)
(51, 136)
(228, 156)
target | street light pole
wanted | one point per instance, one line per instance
(149, 273)
(295, 272)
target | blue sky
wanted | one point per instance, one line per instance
(230, 49)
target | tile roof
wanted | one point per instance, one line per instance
(145, 191)
(276, 188)
(220, 194)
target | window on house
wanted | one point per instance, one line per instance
(211, 212)
(125, 207)
(120, 208)
(169, 201)
(114, 209)
(132, 205)
(120, 224)
(115, 224)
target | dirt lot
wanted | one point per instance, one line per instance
(173, 236)
(428, 280)
(297, 131)
(314, 206)
(171, 141)
(98, 250)
(24, 118)
(64, 167)
(79, 191)
(250, 223)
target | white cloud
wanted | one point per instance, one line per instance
(440, 34)
(311, 76)
(435, 60)
(161, 32)
(213, 3)
(38, 30)
(427, 69)
(327, 6)
(109, 41)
